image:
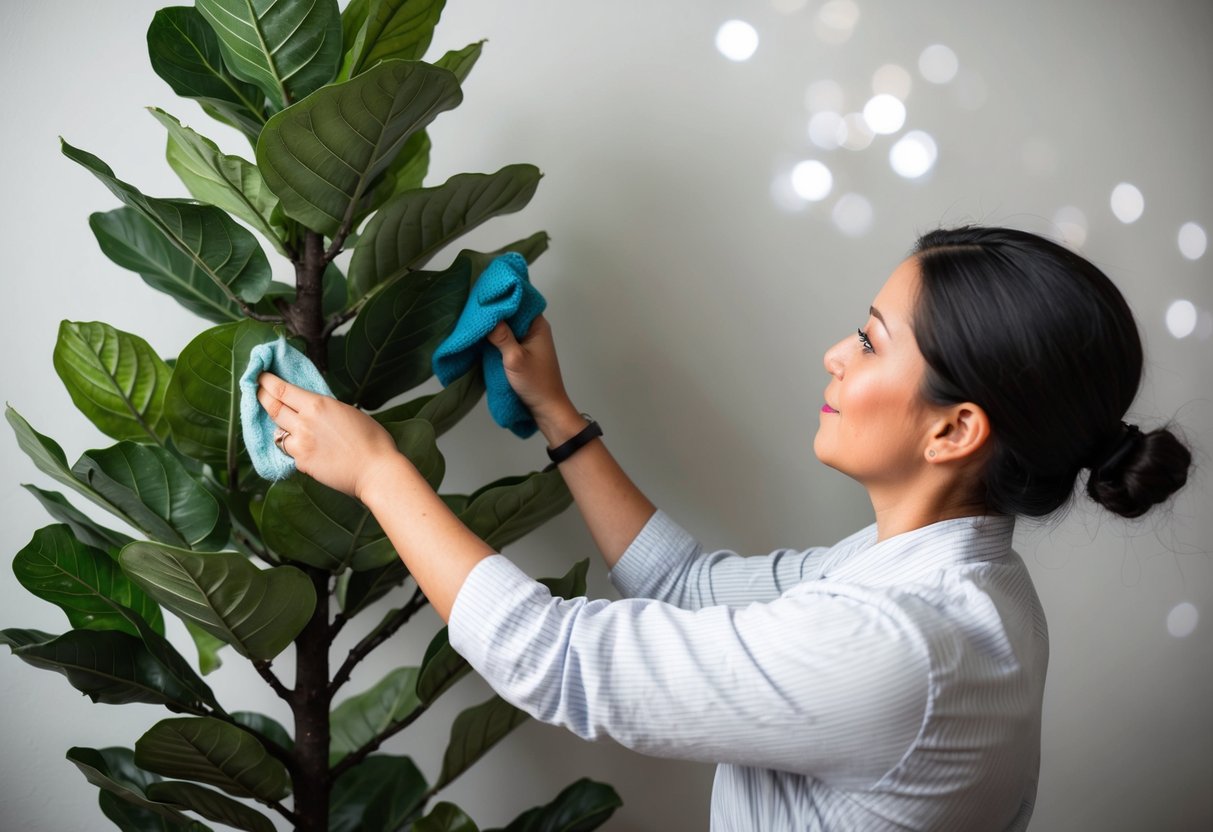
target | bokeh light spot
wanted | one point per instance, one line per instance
(1182, 620)
(1192, 241)
(836, 20)
(914, 154)
(737, 40)
(852, 215)
(893, 80)
(938, 64)
(884, 113)
(825, 128)
(1127, 203)
(1070, 225)
(855, 134)
(812, 180)
(1181, 318)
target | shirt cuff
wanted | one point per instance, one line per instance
(493, 592)
(661, 545)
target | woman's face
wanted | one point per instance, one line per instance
(874, 424)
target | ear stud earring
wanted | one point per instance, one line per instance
(931, 453)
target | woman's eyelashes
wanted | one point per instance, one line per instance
(864, 341)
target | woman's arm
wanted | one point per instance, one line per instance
(615, 510)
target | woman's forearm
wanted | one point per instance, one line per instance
(436, 547)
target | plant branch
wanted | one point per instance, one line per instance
(338, 241)
(355, 757)
(274, 682)
(376, 637)
(341, 317)
(290, 816)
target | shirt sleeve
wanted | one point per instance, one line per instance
(827, 686)
(666, 563)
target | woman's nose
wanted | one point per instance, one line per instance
(834, 358)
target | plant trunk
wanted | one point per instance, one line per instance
(310, 778)
(306, 315)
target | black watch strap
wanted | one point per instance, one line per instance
(566, 449)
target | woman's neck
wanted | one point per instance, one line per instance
(903, 509)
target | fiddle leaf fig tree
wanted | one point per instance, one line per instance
(335, 105)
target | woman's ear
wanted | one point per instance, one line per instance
(961, 432)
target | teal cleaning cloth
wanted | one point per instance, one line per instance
(503, 292)
(286, 362)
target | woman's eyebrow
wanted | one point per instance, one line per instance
(876, 314)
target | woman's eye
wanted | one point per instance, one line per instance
(864, 341)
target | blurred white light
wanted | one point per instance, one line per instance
(854, 133)
(1070, 225)
(938, 64)
(914, 154)
(1039, 157)
(1192, 241)
(1127, 203)
(825, 128)
(789, 6)
(893, 80)
(1181, 318)
(884, 113)
(736, 40)
(1182, 619)
(824, 95)
(852, 214)
(812, 180)
(835, 21)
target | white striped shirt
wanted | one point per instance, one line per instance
(887, 685)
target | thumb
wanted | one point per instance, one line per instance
(502, 336)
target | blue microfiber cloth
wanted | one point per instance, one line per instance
(503, 292)
(286, 362)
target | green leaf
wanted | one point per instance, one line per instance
(208, 648)
(82, 581)
(130, 818)
(321, 155)
(178, 670)
(134, 242)
(582, 806)
(440, 668)
(391, 29)
(572, 584)
(214, 177)
(390, 347)
(109, 666)
(474, 732)
(185, 52)
(212, 752)
(445, 817)
(211, 805)
(361, 718)
(152, 488)
(320, 526)
(257, 611)
(86, 530)
(358, 590)
(406, 172)
(113, 770)
(414, 226)
(16, 637)
(202, 404)
(221, 248)
(443, 409)
(287, 49)
(461, 61)
(510, 508)
(377, 795)
(271, 728)
(115, 379)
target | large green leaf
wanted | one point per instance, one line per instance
(82, 581)
(108, 666)
(214, 177)
(377, 795)
(271, 728)
(311, 523)
(130, 818)
(322, 154)
(113, 770)
(443, 409)
(358, 590)
(211, 805)
(152, 488)
(445, 817)
(407, 171)
(390, 29)
(361, 718)
(208, 647)
(257, 611)
(202, 404)
(461, 61)
(173, 663)
(212, 752)
(414, 226)
(185, 52)
(86, 530)
(224, 250)
(582, 806)
(507, 509)
(115, 379)
(474, 732)
(390, 347)
(287, 49)
(135, 243)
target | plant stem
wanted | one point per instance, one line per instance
(306, 314)
(355, 757)
(310, 703)
(268, 675)
(376, 637)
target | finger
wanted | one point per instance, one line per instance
(502, 336)
(283, 416)
(292, 396)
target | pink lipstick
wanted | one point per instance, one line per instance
(825, 408)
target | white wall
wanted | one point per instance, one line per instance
(691, 312)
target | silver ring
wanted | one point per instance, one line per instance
(280, 440)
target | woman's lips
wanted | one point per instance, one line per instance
(825, 408)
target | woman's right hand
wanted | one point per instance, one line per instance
(533, 371)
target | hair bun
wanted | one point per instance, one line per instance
(1138, 470)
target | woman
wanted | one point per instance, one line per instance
(891, 681)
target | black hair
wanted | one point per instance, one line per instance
(1046, 345)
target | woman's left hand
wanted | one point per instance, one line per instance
(332, 442)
